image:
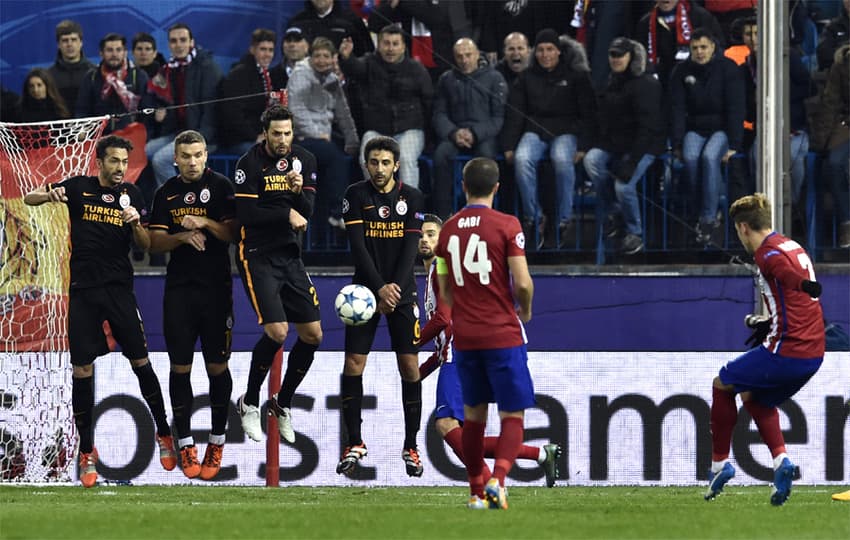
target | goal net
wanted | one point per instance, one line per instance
(37, 437)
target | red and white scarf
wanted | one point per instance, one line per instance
(113, 81)
(267, 85)
(160, 84)
(683, 29)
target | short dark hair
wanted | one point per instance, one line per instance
(189, 136)
(754, 210)
(703, 32)
(143, 37)
(113, 36)
(275, 112)
(112, 141)
(432, 218)
(68, 27)
(180, 26)
(382, 143)
(393, 28)
(263, 34)
(480, 175)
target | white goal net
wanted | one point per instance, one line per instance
(37, 436)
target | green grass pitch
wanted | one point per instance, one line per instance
(201, 512)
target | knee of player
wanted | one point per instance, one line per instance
(277, 332)
(84, 371)
(313, 336)
(181, 368)
(445, 425)
(216, 369)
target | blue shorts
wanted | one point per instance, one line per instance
(771, 378)
(449, 395)
(496, 375)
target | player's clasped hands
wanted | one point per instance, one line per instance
(193, 222)
(195, 238)
(389, 296)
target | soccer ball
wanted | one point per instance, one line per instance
(355, 305)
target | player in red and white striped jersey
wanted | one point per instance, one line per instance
(789, 346)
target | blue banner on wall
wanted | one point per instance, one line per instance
(27, 38)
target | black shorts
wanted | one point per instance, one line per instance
(279, 289)
(403, 325)
(191, 312)
(89, 307)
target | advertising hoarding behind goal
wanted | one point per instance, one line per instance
(622, 418)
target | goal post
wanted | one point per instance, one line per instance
(37, 436)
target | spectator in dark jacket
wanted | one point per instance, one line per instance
(114, 87)
(71, 65)
(188, 83)
(430, 29)
(396, 98)
(239, 126)
(469, 110)
(835, 34)
(707, 123)
(667, 30)
(41, 100)
(10, 105)
(293, 49)
(551, 109)
(630, 135)
(330, 19)
(145, 54)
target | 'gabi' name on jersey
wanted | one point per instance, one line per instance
(468, 222)
(789, 245)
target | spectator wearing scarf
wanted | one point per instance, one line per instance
(115, 87)
(666, 33)
(186, 89)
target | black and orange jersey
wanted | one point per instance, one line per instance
(210, 197)
(384, 231)
(263, 199)
(100, 241)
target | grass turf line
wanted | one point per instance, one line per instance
(195, 512)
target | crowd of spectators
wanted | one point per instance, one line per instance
(596, 90)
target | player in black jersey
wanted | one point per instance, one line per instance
(383, 218)
(275, 190)
(105, 221)
(194, 217)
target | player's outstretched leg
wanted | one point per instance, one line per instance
(550, 463)
(250, 416)
(284, 420)
(718, 479)
(782, 477)
(351, 456)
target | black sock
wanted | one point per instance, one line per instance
(411, 397)
(298, 364)
(221, 386)
(180, 390)
(152, 392)
(261, 360)
(82, 403)
(352, 404)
